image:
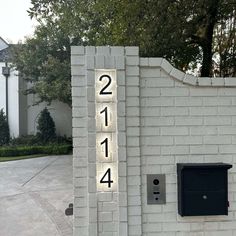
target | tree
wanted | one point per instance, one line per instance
(46, 126)
(4, 129)
(182, 31)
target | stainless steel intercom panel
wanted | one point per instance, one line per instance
(156, 189)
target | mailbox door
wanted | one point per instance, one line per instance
(197, 203)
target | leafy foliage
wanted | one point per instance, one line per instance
(4, 129)
(46, 126)
(56, 149)
(184, 32)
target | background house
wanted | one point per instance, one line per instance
(22, 114)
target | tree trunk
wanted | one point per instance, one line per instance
(208, 38)
(207, 60)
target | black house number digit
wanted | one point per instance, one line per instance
(105, 141)
(103, 92)
(106, 115)
(108, 181)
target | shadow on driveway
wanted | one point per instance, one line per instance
(34, 194)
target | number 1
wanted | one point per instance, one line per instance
(105, 141)
(106, 115)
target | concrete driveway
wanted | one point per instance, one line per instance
(34, 194)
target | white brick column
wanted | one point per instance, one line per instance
(98, 212)
(133, 141)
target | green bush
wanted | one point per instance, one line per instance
(4, 129)
(34, 140)
(46, 127)
(31, 150)
(25, 140)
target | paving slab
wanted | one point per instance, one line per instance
(34, 194)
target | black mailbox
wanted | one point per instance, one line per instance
(202, 189)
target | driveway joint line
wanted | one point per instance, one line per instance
(38, 172)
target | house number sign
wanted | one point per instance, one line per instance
(106, 129)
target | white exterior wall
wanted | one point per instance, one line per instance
(60, 112)
(164, 117)
(13, 100)
(21, 124)
(185, 120)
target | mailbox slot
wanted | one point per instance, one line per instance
(202, 189)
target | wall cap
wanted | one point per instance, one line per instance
(187, 78)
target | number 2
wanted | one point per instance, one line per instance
(103, 92)
(108, 181)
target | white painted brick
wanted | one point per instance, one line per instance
(188, 121)
(151, 150)
(132, 91)
(135, 230)
(99, 62)
(158, 121)
(188, 101)
(227, 130)
(157, 82)
(226, 111)
(174, 150)
(90, 62)
(151, 112)
(162, 101)
(123, 229)
(132, 61)
(90, 50)
(151, 92)
(155, 61)
(226, 92)
(203, 130)
(173, 131)
(227, 149)
(161, 140)
(77, 70)
(173, 92)
(117, 51)
(143, 61)
(202, 91)
(217, 139)
(202, 81)
(77, 50)
(132, 71)
(204, 149)
(189, 79)
(203, 111)
(217, 101)
(77, 60)
(191, 140)
(131, 51)
(147, 72)
(132, 81)
(166, 66)
(230, 81)
(174, 111)
(177, 74)
(217, 82)
(120, 62)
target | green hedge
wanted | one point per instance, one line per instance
(31, 150)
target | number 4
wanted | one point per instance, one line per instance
(108, 181)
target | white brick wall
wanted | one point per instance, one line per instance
(164, 117)
(184, 122)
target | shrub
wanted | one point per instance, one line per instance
(4, 129)
(46, 126)
(24, 140)
(30, 150)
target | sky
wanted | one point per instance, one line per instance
(15, 23)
